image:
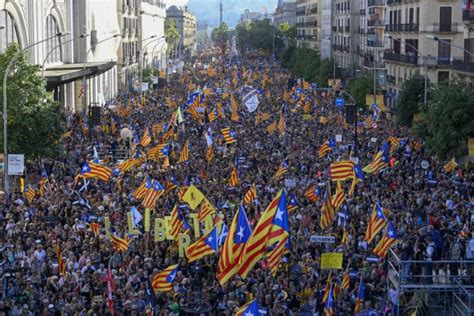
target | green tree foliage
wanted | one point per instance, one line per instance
(448, 122)
(258, 35)
(410, 100)
(242, 37)
(289, 32)
(360, 88)
(220, 36)
(326, 72)
(171, 33)
(35, 120)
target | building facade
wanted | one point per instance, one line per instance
(346, 35)
(307, 23)
(153, 43)
(286, 13)
(186, 25)
(249, 16)
(325, 32)
(410, 49)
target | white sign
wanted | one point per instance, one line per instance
(290, 183)
(339, 138)
(16, 165)
(322, 239)
(355, 160)
(251, 101)
(373, 140)
(154, 79)
(144, 86)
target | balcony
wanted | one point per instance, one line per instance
(393, 2)
(443, 28)
(334, 28)
(371, 64)
(391, 79)
(341, 47)
(463, 66)
(374, 43)
(468, 16)
(314, 10)
(311, 24)
(347, 28)
(376, 3)
(438, 61)
(362, 11)
(376, 22)
(406, 59)
(410, 27)
(300, 12)
(300, 24)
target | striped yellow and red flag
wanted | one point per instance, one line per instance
(139, 192)
(205, 210)
(29, 193)
(209, 153)
(94, 170)
(184, 155)
(251, 195)
(376, 223)
(61, 263)
(281, 124)
(146, 137)
(312, 193)
(95, 227)
(346, 280)
(341, 170)
(272, 128)
(163, 280)
(338, 197)
(234, 178)
(274, 257)
(120, 244)
(328, 213)
(450, 166)
(388, 239)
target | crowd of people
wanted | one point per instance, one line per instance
(430, 208)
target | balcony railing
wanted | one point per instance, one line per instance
(300, 12)
(362, 11)
(407, 59)
(374, 23)
(443, 28)
(371, 64)
(464, 66)
(372, 43)
(341, 47)
(393, 2)
(438, 61)
(376, 3)
(467, 16)
(410, 27)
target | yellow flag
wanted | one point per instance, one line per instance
(193, 197)
(331, 260)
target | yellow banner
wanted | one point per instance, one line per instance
(470, 145)
(331, 260)
(369, 100)
(331, 83)
(193, 197)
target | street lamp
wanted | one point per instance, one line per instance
(56, 47)
(437, 39)
(153, 37)
(162, 40)
(425, 102)
(6, 180)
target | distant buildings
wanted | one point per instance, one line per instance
(285, 13)
(249, 16)
(187, 27)
(307, 23)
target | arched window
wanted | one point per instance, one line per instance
(52, 29)
(10, 33)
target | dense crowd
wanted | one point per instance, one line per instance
(431, 209)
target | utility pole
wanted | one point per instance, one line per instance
(220, 9)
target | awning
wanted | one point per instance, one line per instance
(66, 73)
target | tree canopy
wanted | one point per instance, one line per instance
(220, 36)
(171, 33)
(35, 120)
(410, 100)
(258, 35)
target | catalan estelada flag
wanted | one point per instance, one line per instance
(360, 297)
(206, 245)
(450, 166)
(93, 170)
(178, 222)
(329, 306)
(206, 210)
(139, 192)
(232, 250)
(281, 227)
(120, 244)
(282, 169)
(159, 151)
(163, 280)
(61, 263)
(29, 193)
(292, 203)
(258, 242)
(281, 124)
(209, 153)
(328, 213)
(146, 137)
(251, 308)
(389, 239)
(95, 228)
(376, 223)
(42, 182)
(152, 194)
(230, 136)
(274, 257)
(272, 128)
(184, 155)
(346, 280)
(338, 198)
(234, 177)
(341, 170)
(380, 160)
(251, 195)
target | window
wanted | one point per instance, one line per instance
(10, 33)
(53, 44)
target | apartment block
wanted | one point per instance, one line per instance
(410, 48)
(345, 29)
(307, 23)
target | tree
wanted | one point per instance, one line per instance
(220, 36)
(242, 37)
(360, 88)
(171, 33)
(410, 100)
(259, 35)
(448, 122)
(326, 72)
(35, 120)
(289, 32)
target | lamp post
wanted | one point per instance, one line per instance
(56, 47)
(84, 79)
(161, 41)
(425, 68)
(153, 37)
(437, 39)
(6, 179)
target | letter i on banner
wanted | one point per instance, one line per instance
(160, 232)
(131, 229)
(197, 232)
(147, 220)
(108, 235)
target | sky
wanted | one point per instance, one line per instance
(208, 10)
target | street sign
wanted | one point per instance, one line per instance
(340, 102)
(16, 165)
(322, 239)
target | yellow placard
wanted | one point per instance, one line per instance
(380, 99)
(193, 197)
(147, 220)
(331, 83)
(323, 120)
(108, 235)
(331, 260)
(308, 117)
(470, 146)
(131, 229)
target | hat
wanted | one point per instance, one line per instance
(101, 208)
